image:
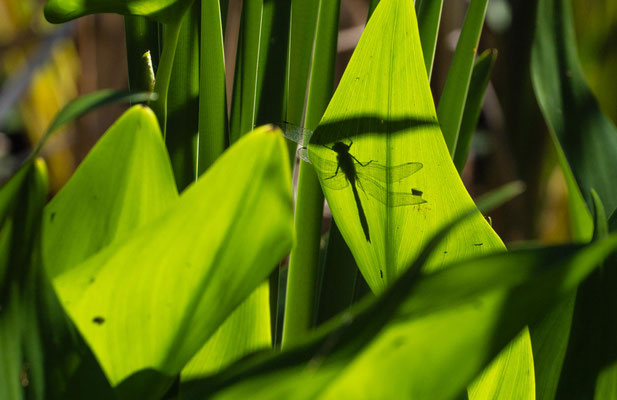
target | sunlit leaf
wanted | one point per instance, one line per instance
(383, 163)
(144, 303)
(461, 308)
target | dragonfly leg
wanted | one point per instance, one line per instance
(358, 161)
(335, 173)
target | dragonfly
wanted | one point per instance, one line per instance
(370, 176)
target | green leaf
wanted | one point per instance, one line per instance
(302, 36)
(183, 101)
(392, 122)
(259, 91)
(454, 94)
(21, 204)
(213, 128)
(589, 367)
(245, 331)
(473, 106)
(429, 17)
(383, 108)
(59, 11)
(472, 309)
(144, 303)
(586, 141)
(586, 146)
(85, 104)
(127, 182)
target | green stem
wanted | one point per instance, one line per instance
(303, 285)
(141, 40)
(171, 33)
(304, 258)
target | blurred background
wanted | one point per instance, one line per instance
(43, 66)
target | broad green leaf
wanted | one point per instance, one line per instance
(586, 141)
(429, 17)
(454, 94)
(471, 322)
(383, 109)
(125, 182)
(145, 303)
(303, 282)
(247, 330)
(473, 105)
(58, 11)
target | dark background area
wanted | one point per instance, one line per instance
(511, 141)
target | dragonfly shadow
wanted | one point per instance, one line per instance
(372, 124)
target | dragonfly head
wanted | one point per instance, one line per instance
(341, 147)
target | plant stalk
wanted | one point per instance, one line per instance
(171, 32)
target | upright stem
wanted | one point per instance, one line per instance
(303, 285)
(171, 33)
(141, 40)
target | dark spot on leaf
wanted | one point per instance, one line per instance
(91, 280)
(445, 252)
(478, 244)
(416, 192)
(52, 216)
(98, 320)
(381, 273)
(398, 342)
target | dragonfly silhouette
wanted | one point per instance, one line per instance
(347, 171)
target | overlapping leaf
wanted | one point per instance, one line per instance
(383, 109)
(472, 309)
(145, 303)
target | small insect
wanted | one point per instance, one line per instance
(478, 244)
(370, 177)
(98, 320)
(381, 273)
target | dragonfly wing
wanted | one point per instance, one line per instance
(391, 199)
(296, 133)
(336, 182)
(331, 176)
(381, 172)
(302, 154)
